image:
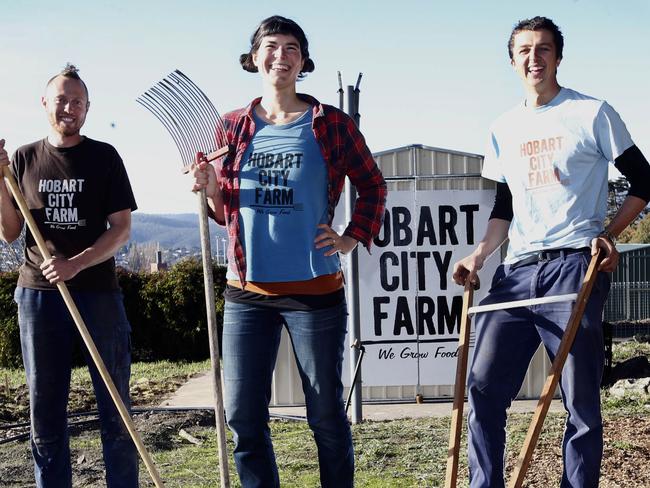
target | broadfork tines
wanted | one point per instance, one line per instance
(188, 115)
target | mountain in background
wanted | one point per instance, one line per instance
(177, 234)
(171, 231)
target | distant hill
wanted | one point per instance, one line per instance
(170, 230)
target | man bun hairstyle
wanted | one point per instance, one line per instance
(278, 25)
(536, 24)
(69, 71)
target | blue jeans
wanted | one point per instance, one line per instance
(251, 337)
(47, 336)
(505, 343)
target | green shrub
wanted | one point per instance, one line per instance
(131, 284)
(9, 332)
(166, 311)
(173, 323)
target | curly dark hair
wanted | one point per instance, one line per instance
(535, 24)
(272, 26)
(69, 71)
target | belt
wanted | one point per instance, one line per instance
(543, 256)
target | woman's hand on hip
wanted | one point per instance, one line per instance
(334, 242)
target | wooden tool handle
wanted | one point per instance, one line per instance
(213, 338)
(453, 452)
(553, 378)
(81, 326)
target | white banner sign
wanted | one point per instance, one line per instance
(409, 306)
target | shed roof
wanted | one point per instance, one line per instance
(425, 148)
(631, 247)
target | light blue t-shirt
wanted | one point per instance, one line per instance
(283, 198)
(555, 159)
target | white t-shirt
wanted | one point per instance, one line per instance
(555, 159)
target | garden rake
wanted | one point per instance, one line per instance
(199, 134)
(83, 330)
(535, 428)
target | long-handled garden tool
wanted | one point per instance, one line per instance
(459, 390)
(553, 378)
(546, 396)
(83, 330)
(199, 134)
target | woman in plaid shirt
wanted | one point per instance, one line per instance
(276, 192)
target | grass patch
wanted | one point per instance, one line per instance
(627, 405)
(153, 371)
(190, 465)
(387, 454)
(400, 453)
(622, 351)
(161, 370)
(13, 377)
(622, 445)
(150, 383)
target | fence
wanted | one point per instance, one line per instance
(629, 303)
(629, 296)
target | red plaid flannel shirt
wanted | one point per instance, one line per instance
(346, 154)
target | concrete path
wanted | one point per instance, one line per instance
(197, 392)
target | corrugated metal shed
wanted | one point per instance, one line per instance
(431, 168)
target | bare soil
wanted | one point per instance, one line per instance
(625, 458)
(625, 462)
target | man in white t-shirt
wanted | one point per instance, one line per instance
(549, 156)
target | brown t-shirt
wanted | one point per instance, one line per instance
(71, 192)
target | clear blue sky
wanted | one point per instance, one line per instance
(434, 73)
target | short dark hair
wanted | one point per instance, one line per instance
(272, 26)
(70, 71)
(535, 24)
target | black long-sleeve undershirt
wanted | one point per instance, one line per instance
(502, 203)
(634, 166)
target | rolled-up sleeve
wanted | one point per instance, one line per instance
(364, 174)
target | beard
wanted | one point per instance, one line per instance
(67, 130)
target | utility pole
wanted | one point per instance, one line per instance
(352, 268)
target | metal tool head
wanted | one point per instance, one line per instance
(188, 115)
